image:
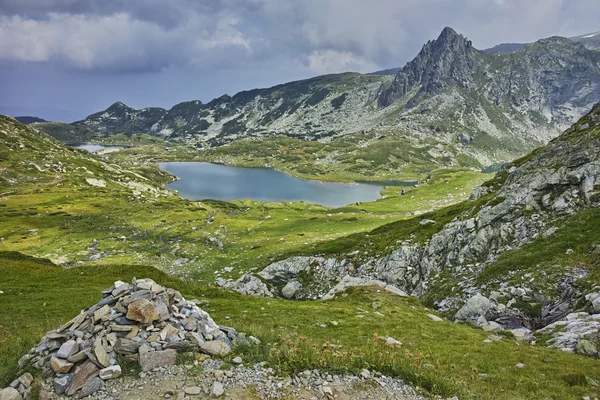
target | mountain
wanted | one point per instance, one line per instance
(29, 120)
(491, 107)
(590, 40)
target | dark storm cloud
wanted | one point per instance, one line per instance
(323, 35)
(250, 43)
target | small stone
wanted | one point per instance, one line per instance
(102, 356)
(67, 349)
(520, 365)
(26, 379)
(142, 311)
(237, 360)
(217, 389)
(149, 361)
(101, 313)
(59, 365)
(435, 318)
(111, 372)
(192, 390)
(365, 374)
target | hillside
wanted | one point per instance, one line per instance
(527, 239)
(488, 107)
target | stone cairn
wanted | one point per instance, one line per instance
(140, 322)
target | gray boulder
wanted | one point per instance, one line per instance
(289, 290)
(476, 308)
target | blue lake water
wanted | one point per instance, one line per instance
(94, 148)
(199, 180)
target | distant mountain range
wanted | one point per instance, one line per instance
(590, 40)
(29, 120)
(489, 106)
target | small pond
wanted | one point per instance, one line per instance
(200, 180)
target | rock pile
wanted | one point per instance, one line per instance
(140, 322)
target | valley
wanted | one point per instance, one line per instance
(428, 232)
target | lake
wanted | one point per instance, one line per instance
(95, 148)
(200, 180)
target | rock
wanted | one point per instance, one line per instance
(290, 289)
(217, 389)
(435, 318)
(82, 375)
(10, 394)
(95, 182)
(248, 285)
(390, 341)
(26, 379)
(143, 311)
(67, 349)
(101, 313)
(192, 390)
(520, 365)
(111, 372)
(427, 222)
(587, 348)
(44, 395)
(91, 387)
(364, 373)
(102, 356)
(59, 365)
(476, 307)
(215, 348)
(237, 360)
(149, 361)
(61, 383)
(126, 346)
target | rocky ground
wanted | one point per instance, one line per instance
(207, 379)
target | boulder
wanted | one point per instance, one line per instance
(143, 311)
(587, 348)
(474, 309)
(289, 290)
(151, 360)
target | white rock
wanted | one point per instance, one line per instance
(111, 372)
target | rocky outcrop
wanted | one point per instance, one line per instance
(141, 322)
(451, 57)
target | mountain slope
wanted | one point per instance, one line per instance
(493, 107)
(528, 239)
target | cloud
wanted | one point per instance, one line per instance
(319, 35)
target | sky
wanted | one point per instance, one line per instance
(65, 59)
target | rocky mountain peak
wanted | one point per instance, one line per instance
(451, 57)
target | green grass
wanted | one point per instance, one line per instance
(444, 358)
